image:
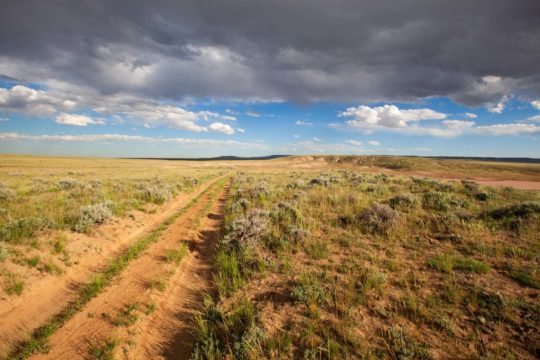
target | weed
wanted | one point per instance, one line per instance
(13, 284)
(449, 262)
(33, 261)
(176, 255)
(400, 346)
(104, 351)
(4, 252)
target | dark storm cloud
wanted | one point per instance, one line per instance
(302, 50)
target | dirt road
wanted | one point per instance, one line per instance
(150, 290)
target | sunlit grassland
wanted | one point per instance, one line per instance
(342, 264)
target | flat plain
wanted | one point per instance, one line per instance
(311, 257)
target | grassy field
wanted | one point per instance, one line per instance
(346, 265)
(319, 257)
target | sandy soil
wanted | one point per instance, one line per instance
(46, 294)
(98, 321)
(516, 184)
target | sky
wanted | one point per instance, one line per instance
(200, 78)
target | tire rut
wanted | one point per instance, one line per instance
(98, 321)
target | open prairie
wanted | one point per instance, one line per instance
(311, 257)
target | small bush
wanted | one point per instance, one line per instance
(435, 200)
(156, 194)
(526, 277)
(241, 205)
(23, 228)
(93, 214)
(246, 232)
(309, 290)
(5, 192)
(66, 184)
(379, 218)
(523, 210)
(403, 201)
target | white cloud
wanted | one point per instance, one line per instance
(536, 104)
(302, 123)
(498, 107)
(387, 116)
(123, 108)
(470, 115)
(222, 128)
(374, 143)
(253, 114)
(391, 118)
(353, 142)
(534, 118)
(508, 129)
(34, 102)
(241, 130)
(130, 138)
(316, 139)
(77, 120)
(232, 112)
(296, 136)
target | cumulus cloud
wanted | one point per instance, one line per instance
(536, 104)
(353, 142)
(302, 123)
(20, 98)
(146, 112)
(470, 115)
(222, 128)
(374, 143)
(387, 116)
(498, 107)
(77, 120)
(391, 118)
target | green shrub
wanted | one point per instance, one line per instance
(434, 200)
(379, 218)
(23, 228)
(403, 201)
(93, 214)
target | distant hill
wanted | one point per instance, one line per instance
(495, 159)
(217, 158)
